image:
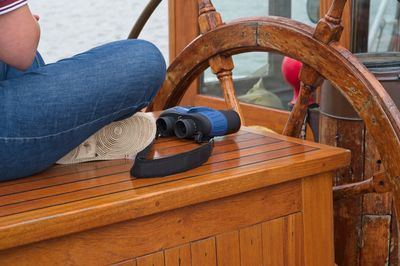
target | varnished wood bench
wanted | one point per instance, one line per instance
(259, 198)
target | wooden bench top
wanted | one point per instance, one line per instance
(69, 199)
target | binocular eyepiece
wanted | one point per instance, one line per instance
(200, 123)
(182, 128)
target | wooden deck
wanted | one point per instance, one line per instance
(64, 202)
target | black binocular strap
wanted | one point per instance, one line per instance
(145, 168)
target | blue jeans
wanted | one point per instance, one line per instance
(48, 110)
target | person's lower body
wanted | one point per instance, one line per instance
(48, 110)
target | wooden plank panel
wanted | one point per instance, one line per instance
(103, 180)
(131, 262)
(220, 148)
(182, 25)
(283, 241)
(32, 194)
(44, 200)
(228, 250)
(72, 179)
(129, 239)
(178, 256)
(159, 194)
(274, 242)
(62, 179)
(251, 253)
(394, 241)
(229, 155)
(377, 211)
(375, 240)
(86, 171)
(227, 152)
(118, 207)
(233, 138)
(162, 197)
(374, 203)
(204, 253)
(61, 174)
(317, 220)
(60, 170)
(182, 30)
(295, 249)
(156, 259)
(347, 215)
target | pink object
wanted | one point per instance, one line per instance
(290, 71)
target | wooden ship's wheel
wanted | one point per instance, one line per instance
(322, 57)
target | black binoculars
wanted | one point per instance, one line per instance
(199, 123)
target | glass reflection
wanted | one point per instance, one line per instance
(258, 76)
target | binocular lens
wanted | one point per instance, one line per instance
(184, 128)
(165, 125)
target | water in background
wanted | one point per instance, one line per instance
(253, 64)
(70, 27)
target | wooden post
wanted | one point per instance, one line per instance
(182, 16)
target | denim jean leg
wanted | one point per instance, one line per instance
(49, 111)
(3, 71)
(11, 72)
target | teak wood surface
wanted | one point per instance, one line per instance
(256, 190)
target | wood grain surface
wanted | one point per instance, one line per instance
(137, 238)
(69, 199)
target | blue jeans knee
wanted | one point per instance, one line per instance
(153, 64)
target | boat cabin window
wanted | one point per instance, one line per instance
(258, 76)
(382, 32)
